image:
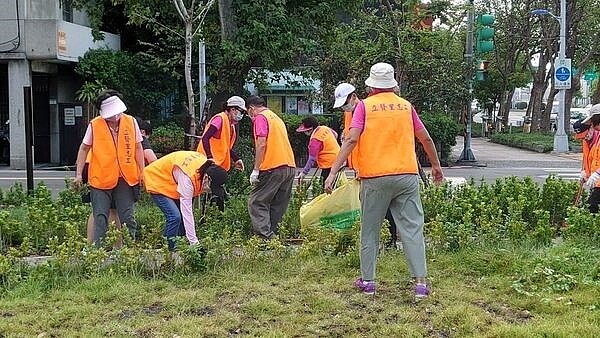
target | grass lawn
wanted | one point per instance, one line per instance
(313, 296)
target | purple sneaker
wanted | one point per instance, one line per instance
(421, 290)
(368, 288)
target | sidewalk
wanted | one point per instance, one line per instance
(497, 155)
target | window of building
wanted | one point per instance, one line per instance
(67, 10)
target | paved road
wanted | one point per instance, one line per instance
(53, 179)
(493, 161)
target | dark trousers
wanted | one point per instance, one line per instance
(594, 200)
(269, 200)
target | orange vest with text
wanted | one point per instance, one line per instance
(158, 176)
(220, 148)
(278, 151)
(331, 148)
(387, 143)
(111, 160)
(352, 158)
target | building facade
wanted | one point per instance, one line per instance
(40, 43)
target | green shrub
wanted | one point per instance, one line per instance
(539, 142)
(443, 131)
(167, 138)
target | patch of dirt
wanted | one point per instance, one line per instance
(125, 314)
(237, 331)
(504, 312)
(201, 311)
(144, 333)
(154, 309)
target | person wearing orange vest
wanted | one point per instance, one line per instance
(149, 157)
(274, 169)
(384, 126)
(345, 99)
(322, 146)
(591, 162)
(219, 137)
(173, 181)
(116, 164)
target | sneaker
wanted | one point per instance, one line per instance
(367, 288)
(421, 290)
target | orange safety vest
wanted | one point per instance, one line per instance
(220, 148)
(352, 158)
(111, 161)
(331, 148)
(387, 143)
(158, 176)
(278, 151)
(591, 157)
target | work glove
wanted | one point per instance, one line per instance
(583, 176)
(592, 180)
(254, 177)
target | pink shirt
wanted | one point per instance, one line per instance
(358, 118)
(88, 137)
(218, 123)
(261, 126)
(185, 188)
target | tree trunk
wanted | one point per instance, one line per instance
(504, 110)
(228, 26)
(546, 125)
(540, 83)
(188, 78)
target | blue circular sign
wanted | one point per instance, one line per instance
(563, 73)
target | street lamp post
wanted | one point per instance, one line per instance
(561, 142)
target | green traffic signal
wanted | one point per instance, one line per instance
(485, 33)
(485, 46)
(486, 19)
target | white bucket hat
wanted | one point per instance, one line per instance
(595, 110)
(341, 94)
(111, 107)
(381, 76)
(236, 101)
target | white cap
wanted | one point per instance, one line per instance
(236, 101)
(381, 76)
(341, 94)
(595, 110)
(111, 107)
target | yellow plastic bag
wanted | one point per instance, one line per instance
(340, 210)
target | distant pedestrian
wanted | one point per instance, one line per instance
(173, 181)
(384, 126)
(219, 138)
(116, 163)
(322, 146)
(274, 169)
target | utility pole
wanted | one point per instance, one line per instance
(467, 153)
(561, 142)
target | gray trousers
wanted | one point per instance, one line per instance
(399, 193)
(269, 200)
(123, 197)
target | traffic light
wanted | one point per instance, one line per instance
(482, 70)
(485, 33)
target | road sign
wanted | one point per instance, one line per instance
(562, 73)
(590, 76)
